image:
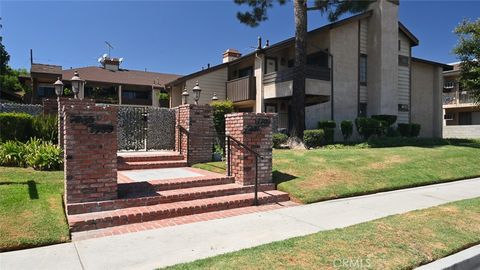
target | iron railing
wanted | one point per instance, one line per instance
(229, 162)
(182, 130)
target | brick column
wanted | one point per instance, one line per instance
(198, 120)
(90, 152)
(255, 131)
(62, 102)
(50, 106)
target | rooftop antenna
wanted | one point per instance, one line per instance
(109, 46)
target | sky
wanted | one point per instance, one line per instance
(181, 37)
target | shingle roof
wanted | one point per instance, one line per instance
(44, 68)
(122, 76)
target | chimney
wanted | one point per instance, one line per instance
(230, 55)
(110, 63)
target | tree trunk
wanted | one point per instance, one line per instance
(298, 96)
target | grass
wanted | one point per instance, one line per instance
(397, 242)
(329, 173)
(31, 208)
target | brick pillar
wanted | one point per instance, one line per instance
(50, 106)
(90, 152)
(198, 120)
(255, 131)
(62, 102)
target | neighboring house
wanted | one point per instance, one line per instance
(107, 83)
(460, 113)
(359, 66)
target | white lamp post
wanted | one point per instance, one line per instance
(196, 93)
(77, 84)
(185, 96)
(58, 87)
(214, 98)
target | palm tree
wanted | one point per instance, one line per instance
(332, 8)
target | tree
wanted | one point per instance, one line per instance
(332, 8)
(468, 51)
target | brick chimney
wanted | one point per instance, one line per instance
(230, 55)
(110, 63)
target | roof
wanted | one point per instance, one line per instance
(44, 68)
(122, 76)
(444, 66)
(357, 17)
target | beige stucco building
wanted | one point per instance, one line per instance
(461, 115)
(359, 66)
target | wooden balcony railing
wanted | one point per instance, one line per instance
(241, 89)
(312, 72)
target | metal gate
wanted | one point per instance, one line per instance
(132, 128)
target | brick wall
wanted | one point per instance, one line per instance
(61, 103)
(198, 120)
(255, 131)
(50, 106)
(90, 152)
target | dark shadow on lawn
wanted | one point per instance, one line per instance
(280, 177)
(389, 142)
(32, 188)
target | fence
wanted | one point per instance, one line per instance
(31, 109)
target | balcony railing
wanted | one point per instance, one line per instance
(456, 98)
(465, 97)
(312, 72)
(241, 89)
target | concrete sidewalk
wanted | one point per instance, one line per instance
(172, 245)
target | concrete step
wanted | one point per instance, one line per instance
(142, 165)
(98, 220)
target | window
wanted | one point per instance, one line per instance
(270, 108)
(449, 116)
(128, 94)
(403, 60)
(45, 91)
(403, 108)
(399, 45)
(363, 69)
(245, 72)
(362, 110)
(271, 65)
(318, 59)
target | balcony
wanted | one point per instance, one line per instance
(312, 72)
(457, 98)
(241, 89)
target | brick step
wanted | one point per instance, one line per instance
(139, 157)
(168, 196)
(142, 165)
(170, 184)
(98, 220)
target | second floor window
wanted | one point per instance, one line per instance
(363, 69)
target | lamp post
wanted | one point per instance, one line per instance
(185, 96)
(77, 84)
(196, 93)
(214, 98)
(58, 87)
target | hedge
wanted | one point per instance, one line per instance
(279, 139)
(313, 138)
(21, 127)
(347, 129)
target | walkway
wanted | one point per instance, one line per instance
(183, 243)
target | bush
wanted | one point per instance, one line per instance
(45, 127)
(279, 139)
(415, 130)
(347, 129)
(313, 138)
(329, 135)
(43, 155)
(13, 153)
(327, 124)
(15, 126)
(390, 119)
(220, 108)
(367, 127)
(392, 132)
(404, 129)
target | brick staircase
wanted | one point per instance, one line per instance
(158, 199)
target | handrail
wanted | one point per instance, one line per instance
(257, 156)
(182, 130)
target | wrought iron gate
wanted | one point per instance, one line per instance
(132, 127)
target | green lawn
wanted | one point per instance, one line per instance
(31, 211)
(323, 174)
(397, 242)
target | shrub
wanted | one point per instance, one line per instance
(329, 135)
(390, 119)
(415, 130)
(313, 138)
(45, 127)
(392, 132)
(220, 108)
(279, 139)
(43, 155)
(13, 153)
(347, 129)
(15, 126)
(327, 124)
(404, 129)
(367, 127)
